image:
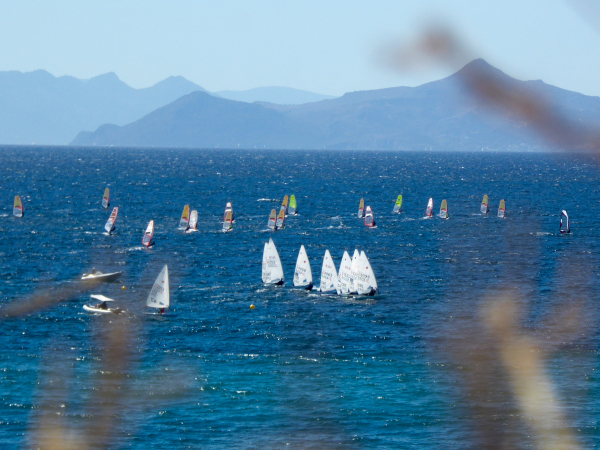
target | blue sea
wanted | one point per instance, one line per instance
(301, 370)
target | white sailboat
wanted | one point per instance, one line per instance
(148, 235)
(97, 276)
(102, 307)
(272, 271)
(193, 221)
(354, 268)
(366, 284)
(329, 277)
(110, 223)
(345, 284)
(159, 296)
(303, 273)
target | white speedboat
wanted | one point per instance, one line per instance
(96, 275)
(102, 306)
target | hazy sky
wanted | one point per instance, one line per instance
(321, 46)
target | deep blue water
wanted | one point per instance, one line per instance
(301, 370)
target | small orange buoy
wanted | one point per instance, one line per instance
(124, 288)
(252, 306)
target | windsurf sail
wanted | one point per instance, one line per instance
(361, 208)
(345, 284)
(365, 283)
(329, 276)
(303, 273)
(280, 224)
(272, 270)
(502, 209)
(227, 223)
(272, 220)
(369, 218)
(106, 198)
(184, 222)
(293, 208)
(228, 208)
(285, 203)
(444, 210)
(110, 223)
(485, 205)
(398, 205)
(159, 296)
(429, 209)
(564, 220)
(18, 210)
(147, 239)
(194, 220)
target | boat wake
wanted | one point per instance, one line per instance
(266, 200)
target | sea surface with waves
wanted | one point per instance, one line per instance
(301, 370)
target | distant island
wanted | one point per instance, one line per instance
(441, 115)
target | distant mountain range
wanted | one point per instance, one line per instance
(39, 108)
(441, 115)
(274, 94)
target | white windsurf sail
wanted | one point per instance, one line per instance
(444, 210)
(398, 205)
(159, 296)
(274, 272)
(567, 227)
(303, 273)
(106, 198)
(502, 209)
(429, 209)
(366, 284)
(361, 208)
(345, 283)
(227, 223)
(110, 223)
(280, 225)
(272, 220)
(147, 239)
(485, 205)
(184, 222)
(193, 220)
(369, 218)
(18, 207)
(329, 276)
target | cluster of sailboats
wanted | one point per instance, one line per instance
(288, 207)
(355, 277)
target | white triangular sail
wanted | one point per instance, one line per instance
(567, 225)
(429, 209)
(147, 239)
(159, 296)
(329, 276)
(193, 220)
(303, 273)
(274, 271)
(110, 223)
(354, 271)
(366, 284)
(345, 285)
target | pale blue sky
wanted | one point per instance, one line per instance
(321, 46)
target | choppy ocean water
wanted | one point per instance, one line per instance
(301, 370)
